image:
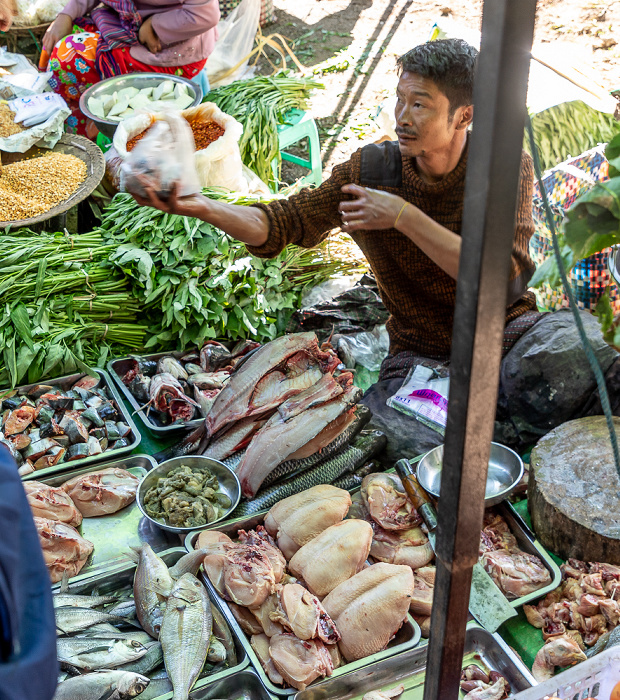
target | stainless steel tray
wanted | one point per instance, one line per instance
(112, 578)
(482, 648)
(65, 383)
(406, 638)
(114, 534)
(527, 542)
(244, 685)
(117, 369)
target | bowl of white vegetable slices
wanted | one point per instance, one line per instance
(110, 101)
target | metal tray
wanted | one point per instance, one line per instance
(406, 638)
(117, 369)
(530, 545)
(113, 578)
(481, 648)
(114, 534)
(65, 383)
(244, 685)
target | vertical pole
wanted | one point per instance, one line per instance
(491, 188)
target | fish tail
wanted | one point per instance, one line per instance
(134, 554)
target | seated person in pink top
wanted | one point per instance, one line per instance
(90, 41)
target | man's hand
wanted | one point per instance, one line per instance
(195, 206)
(147, 36)
(58, 29)
(372, 210)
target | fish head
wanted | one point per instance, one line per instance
(130, 685)
(187, 589)
(172, 366)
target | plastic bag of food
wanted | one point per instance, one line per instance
(165, 156)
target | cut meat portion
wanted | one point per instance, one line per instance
(102, 492)
(52, 503)
(64, 549)
(260, 644)
(299, 662)
(302, 613)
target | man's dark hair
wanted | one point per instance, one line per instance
(449, 63)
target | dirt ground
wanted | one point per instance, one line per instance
(352, 46)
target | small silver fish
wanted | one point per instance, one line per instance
(120, 685)
(68, 600)
(77, 619)
(151, 586)
(94, 653)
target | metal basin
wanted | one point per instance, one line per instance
(227, 479)
(505, 472)
(135, 80)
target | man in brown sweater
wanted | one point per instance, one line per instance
(402, 203)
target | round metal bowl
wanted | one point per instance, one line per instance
(137, 80)
(505, 472)
(227, 479)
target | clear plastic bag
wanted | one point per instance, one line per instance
(165, 156)
(367, 348)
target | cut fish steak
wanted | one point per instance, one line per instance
(51, 503)
(290, 428)
(64, 549)
(102, 492)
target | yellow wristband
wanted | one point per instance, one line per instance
(402, 209)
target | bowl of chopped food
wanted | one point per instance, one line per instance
(504, 473)
(186, 493)
(111, 100)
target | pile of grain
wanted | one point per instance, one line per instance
(33, 187)
(8, 127)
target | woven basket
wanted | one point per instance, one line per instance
(35, 33)
(267, 14)
(73, 145)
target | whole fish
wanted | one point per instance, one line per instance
(153, 658)
(367, 444)
(290, 467)
(152, 584)
(116, 685)
(233, 402)
(280, 437)
(124, 608)
(217, 651)
(185, 634)
(157, 688)
(222, 632)
(77, 619)
(69, 600)
(95, 653)
(106, 631)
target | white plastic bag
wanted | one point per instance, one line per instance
(424, 396)
(165, 156)
(235, 42)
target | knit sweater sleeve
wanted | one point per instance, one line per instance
(307, 218)
(522, 267)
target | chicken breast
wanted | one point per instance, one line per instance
(51, 503)
(64, 549)
(332, 557)
(296, 520)
(260, 644)
(299, 662)
(302, 613)
(369, 608)
(263, 615)
(102, 492)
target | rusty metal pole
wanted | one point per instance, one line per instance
(491, 188)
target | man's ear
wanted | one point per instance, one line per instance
(464, 116)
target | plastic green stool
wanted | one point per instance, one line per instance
(297, 126)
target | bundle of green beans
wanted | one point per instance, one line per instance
(196, 283)
(260, 105)
(569, 129)
(64, 306)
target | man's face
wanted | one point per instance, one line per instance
(423, 122)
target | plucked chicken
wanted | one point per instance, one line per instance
(332, 557)
(558, 651)
(369, 608)
(387, 502)
(296, 520)
(300, 662)
(51, 503)
(64, 549)
(102, 492)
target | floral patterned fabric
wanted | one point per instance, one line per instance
(73, 65)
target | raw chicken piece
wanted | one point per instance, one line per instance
(260, 538)
(102, 492)
(558, 651)
(387, 502)
(424, 622)
(384, 694)
(64, 549)
(52, 503)
(516, 574)
(410, 547)
(239, 572)
(334, 556)
(260, 644)
(496, 691)
(299, 662)
(422, 598)
(296, 520)
(611, 610)
(263, 614)
(303, 614)
(246, 619)
(370, 608)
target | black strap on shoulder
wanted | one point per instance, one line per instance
(381, 164)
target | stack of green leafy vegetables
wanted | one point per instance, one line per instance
(193, 282)
(64, 306)
(260, 105)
